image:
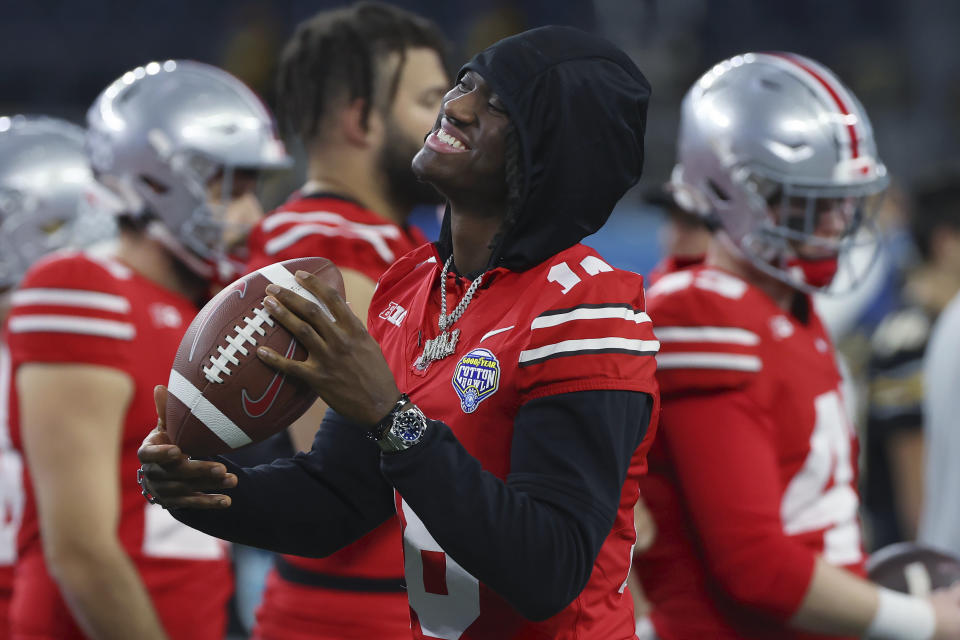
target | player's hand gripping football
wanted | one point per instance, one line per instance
(175, 480)
(344, 365)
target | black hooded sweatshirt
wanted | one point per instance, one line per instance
(579, 108)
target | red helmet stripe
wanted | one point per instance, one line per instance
(854, 151)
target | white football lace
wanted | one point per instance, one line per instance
(235, 344)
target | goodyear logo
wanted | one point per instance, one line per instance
(476, 378)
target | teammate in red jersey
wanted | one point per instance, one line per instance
(361, 132)
(532, 357)
(44, 175)
(683, 236)
(752, 483)
(89, 335)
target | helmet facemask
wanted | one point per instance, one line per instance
(209, 238)
(30, 229)
(810, 234)
(14, 256)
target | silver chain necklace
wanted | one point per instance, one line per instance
(445, 343)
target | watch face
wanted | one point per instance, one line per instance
(409, 427)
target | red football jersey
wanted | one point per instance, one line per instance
(669, 264)
(331, 227)
(73, 308)
(11, 495)
(353, 238)
(754, 473)
(571, 323)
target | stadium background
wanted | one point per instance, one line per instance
(899, 57)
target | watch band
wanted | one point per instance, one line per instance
(406, 431)
(379, 429)
(401, 428)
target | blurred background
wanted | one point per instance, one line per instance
(899, 56)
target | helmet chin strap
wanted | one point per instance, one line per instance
(807, 275)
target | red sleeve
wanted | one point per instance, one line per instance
(256, 258)
(724, 457)
(596, 336)
(71, 310)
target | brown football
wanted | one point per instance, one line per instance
(221, 396)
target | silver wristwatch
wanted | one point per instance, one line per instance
(401, 428)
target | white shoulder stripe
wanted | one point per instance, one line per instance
(274, 220)
(329, 224)
(572, 347)
(297, 233)
(587, 313)
(113, 267)
(670, 283)
(71, 298)
(281, 276)
(732, 335)
(72, 324)
(692, 360)
(214, 419)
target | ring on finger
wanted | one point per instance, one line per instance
(144, 491)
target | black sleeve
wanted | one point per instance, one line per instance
(569, 459)
(309, 505)
(277, 446)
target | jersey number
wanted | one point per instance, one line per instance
(563, 275)
(811, 501)
(445, 597)
(11, 471)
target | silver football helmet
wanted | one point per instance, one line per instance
(45, 179)
(159, 134)
(769, 145)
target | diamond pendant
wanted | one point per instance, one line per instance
(438, 348)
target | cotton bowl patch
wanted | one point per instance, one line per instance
(476, 378)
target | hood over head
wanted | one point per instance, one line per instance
(578, 105)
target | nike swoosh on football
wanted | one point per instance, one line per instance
(259, 406)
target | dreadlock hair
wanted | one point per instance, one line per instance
(337, 55)
(513, 175)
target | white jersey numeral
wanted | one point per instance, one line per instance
(11, 504)
(811, 501)
(445, 597)
(563, 275)
(166, 537)
(11, 470)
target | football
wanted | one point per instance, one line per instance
(913, 568)
(221, 396)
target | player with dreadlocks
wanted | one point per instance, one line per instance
(360, 87)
